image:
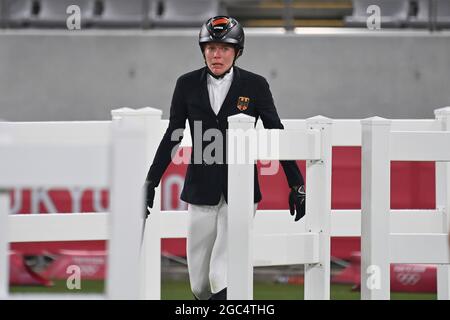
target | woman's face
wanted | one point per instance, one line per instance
(219, 57)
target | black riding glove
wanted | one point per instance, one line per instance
(297, 201)
(149, 197)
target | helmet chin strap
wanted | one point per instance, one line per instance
(220, 76)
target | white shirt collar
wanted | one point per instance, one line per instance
(227, 78)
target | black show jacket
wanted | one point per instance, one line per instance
(204, 183)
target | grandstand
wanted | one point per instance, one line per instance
(253, 13)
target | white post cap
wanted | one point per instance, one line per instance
(319, 120)
(147, 111)
(375, 121)
(442, 112)
(241, 117)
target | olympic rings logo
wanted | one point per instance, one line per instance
(408, 279)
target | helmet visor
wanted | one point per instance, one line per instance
(220, 26)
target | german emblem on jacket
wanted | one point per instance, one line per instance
(242, 104)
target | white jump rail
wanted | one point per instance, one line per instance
(313, 247)
(276, 230)
(381, 244)
(64, 154)
(269, 225)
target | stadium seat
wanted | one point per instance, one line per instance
(443, 13)
(440, 14)
(422, 19)
(17, 13)
(394, 14)
(53, 13)
(187, 13)
(124, 14)
(2, 13)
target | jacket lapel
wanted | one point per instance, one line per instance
(232, 95)
(230, 99)
(204, 95)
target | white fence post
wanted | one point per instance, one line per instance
(318, 212)
(4, 244)
(127, 202)
(152, 237)
(375, 209)
(240, 207)
(150, 118)
(443, 203)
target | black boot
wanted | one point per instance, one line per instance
(221, 295)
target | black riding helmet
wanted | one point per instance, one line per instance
(222, 29)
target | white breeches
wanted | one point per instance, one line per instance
(207, 248)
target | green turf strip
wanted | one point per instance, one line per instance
(179, 290)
